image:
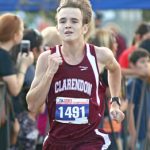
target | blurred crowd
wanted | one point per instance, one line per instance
(20, 48)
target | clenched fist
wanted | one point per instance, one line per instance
(116, 114)
(54, 60)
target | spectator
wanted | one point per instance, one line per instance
(98, 19)
(145, 44)
(120, 39)
(28, 135)
(140, 32)
(51, 37)
(138, 100)
(11, 32)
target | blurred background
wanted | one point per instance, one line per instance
(129, 22)
(41, 13)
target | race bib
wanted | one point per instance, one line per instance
(72, 110)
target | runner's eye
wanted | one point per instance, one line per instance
(75, 21)
(62, 20)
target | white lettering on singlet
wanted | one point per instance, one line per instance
(73, 84)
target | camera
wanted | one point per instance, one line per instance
(25, 46)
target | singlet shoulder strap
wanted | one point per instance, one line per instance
(91, 49)
(58, 49)
(55, 49)
(93, 61)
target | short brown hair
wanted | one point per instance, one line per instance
(137, 54)
(142, 29)
(83, 5)
(9, 25)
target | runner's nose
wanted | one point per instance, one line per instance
(68, 25)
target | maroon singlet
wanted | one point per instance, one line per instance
(75, 106)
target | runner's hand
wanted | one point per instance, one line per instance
(54, 61)
(116, 114)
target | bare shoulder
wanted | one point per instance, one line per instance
(103, 54)
(44, 55)
(106, 58)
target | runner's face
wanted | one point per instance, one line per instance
(69, 24)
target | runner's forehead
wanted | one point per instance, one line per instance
(70, 13)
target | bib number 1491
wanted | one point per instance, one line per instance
(72, 112)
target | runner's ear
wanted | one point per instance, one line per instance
(85, 28)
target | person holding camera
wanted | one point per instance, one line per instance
(28, 134)
(11, 33)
